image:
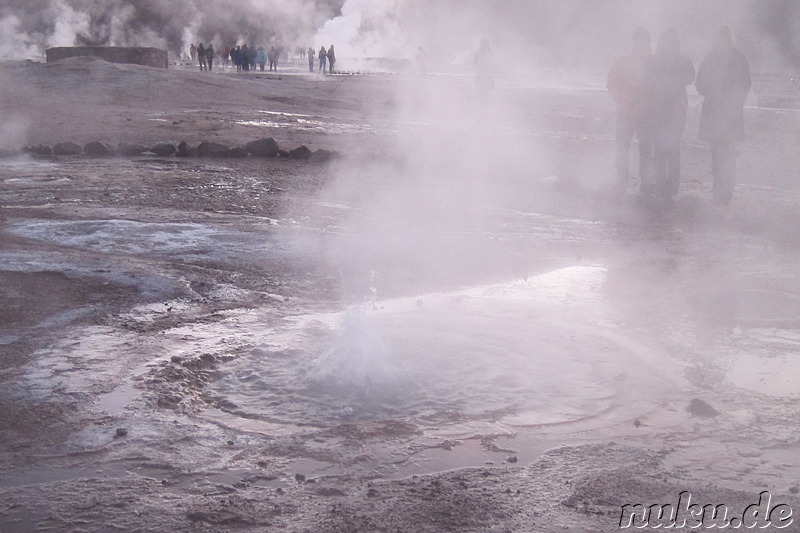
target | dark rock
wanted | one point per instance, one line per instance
(299, 477)
(67, 148)
(511, 459)
(321, 156)
(163, 148)
(238, 151)
(794, 489)
(42, 149)
(329, 491)
(636, 423)
(212, 149)
(128, 149)
(121, 432)
(183, 149)
(231, 443)
(300, 153)
(96, 148)
(176, 359)
(283, 153)
(698, 407)
(267, 147)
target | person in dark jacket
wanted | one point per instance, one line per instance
(236, 55)
(210, 56)
(624, 83)
(201, 56)
(331, 59)
(666, 77)
(310, 55)
(723, 81)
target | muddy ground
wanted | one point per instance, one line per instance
(172, 329)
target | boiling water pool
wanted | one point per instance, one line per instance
(529, 352)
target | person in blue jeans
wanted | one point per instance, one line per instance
(323, 58)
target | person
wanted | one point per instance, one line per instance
(201, 56)
(273, 59)
(331, 59)
(210, 56)
(236, 56)
(261, 58)
(245, 58)
(723, 80)
(323, 57)
(226, 58)
(624, 83)
(193, 53)
(310, 54)
(666, 76)
(484, 73)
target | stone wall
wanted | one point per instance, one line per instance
(149, 57)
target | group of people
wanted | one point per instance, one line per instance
(204, 55)
(245, 59)
(649, 90)
(325, 57)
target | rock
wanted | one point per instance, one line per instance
(321, 156)
(636, 423)
(299, 477)
(329, 491)
(238, 151)
(283, 153)
(163, 149)
(121, 432)
(183, 149)
(212, 149)
(301, 152)
(267, 147)
(67, 148)
(128, 149)
(96, 148)
(794, 489)
(698, 407)
(511, 459)
(42, 149)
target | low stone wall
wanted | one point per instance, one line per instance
(149, 57)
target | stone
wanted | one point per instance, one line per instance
(96, 148)
(128, 149)
(163, 148)
(42, 149)
(212, 149)
(267, 147)
(121, 432)
(238, 151)
(698, 407)
(329, 491)
(321, 156)
(283, 153)
(301, 152)
(183, 149)
(67, 148)
(511, 459)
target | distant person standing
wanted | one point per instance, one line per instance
(323, 58)
(331, 59)
(310, 54)
(236, 57)
(666, 77)
(201, 56)
(484, 71)
(273, 58)
(624, 83)
(245, 58)
(193, 53)
(210, 56)
(261, 58)
(723, 81)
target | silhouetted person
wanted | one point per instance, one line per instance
(625, 84)
(310, 54)
(273, 58)
(245, 58)
(201, 56)
(724, 81)
(261, 58)
(484, 73)
(331, 59)
(193, 53)
(236, 56)
(323, 58)
(666, 77)
(210, 56)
